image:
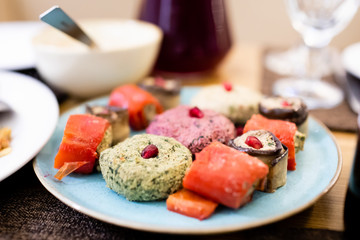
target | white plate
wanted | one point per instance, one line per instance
(350, 58)
(16, 51)
(32, 121)
(318, 168)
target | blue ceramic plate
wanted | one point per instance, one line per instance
(318, 168)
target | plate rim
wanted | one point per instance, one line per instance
(350, 53)
(51, 130)
(182, 231)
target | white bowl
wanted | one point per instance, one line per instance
(127, 52)
(350, 58)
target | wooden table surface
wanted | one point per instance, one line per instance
(244, 65)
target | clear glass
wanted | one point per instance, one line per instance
(318, 21)
(293, 61)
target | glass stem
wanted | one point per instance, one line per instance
(315, 59)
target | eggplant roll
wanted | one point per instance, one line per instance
(118, 118)
(290, 109)
(167, 91)
(266, 147)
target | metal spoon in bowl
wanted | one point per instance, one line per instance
(58, 19)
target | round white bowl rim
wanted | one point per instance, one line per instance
(39, 46)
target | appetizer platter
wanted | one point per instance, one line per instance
(147, 192)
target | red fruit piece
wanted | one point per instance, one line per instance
(159, 81)
(224, 175)
(254, 142)
(196, 112)
(239, 131)
(190, 204)
(285, 103)
(150, 151)
(227, 86)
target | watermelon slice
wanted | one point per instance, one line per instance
(224, 175)
(283, 130)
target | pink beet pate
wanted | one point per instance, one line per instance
(193, 132)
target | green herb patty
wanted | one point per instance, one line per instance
(139, 179)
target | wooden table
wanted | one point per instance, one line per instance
(243, 65)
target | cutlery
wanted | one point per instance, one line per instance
(58, 19)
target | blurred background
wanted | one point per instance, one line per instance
(257, 21)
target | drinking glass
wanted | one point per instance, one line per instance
(292, 62)
(317, 21)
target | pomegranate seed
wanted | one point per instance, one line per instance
(227, 86)
(150, 151)
(159, 81)
(239, 131)
(104, 111)
(253, 142)
(285, 103)
(196, 112)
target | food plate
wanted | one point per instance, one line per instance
(15, 44)
(33, 118)
(318, 169)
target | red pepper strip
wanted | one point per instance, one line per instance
(68, 168)
(135, 100)
(190, 204)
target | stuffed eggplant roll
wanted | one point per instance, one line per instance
(167, 91)
(266, 147)
(290, 109)
(118, 118)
